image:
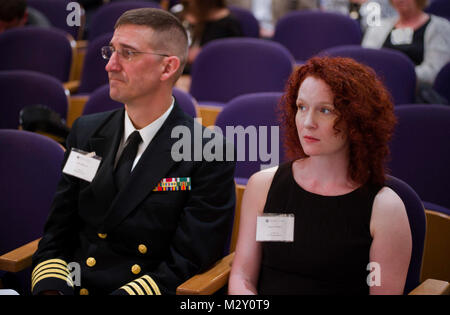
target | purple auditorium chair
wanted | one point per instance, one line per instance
(30, 165)
(20, 88)
(105, 17)
(254, 113)
(93, 74)
(249, 24)
(57, 11)
(226, 68)
(417, 223)
(439, 8)
(392, 67)
(420, 151)
(99, 101)
(442, 82)
(37, 49)
(305, 33)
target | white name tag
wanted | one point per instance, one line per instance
(82, 164)
(402, 36)
(275, 228)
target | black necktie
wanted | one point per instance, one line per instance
(123, 168)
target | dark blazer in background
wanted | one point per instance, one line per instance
(140, 240)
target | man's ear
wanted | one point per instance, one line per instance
(171, 65)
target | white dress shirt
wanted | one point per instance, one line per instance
(147, 134)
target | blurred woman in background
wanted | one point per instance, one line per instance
(423, 37)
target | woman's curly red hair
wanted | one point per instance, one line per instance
(362, 102)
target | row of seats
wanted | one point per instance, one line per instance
(223, 70)
(104, 17)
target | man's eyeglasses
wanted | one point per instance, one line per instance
(126, 53)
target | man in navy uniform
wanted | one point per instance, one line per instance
(141, 223)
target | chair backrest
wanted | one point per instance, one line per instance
(23, 88)
(420, 150)
(394, 69)
(37, 49)
(186, 102)
(226, 68)
(417, 223)
(106, 16)
(57, 11)
(99, 101)
(442, 82)
(439, 7)
(256, 114)
(305, 33)
(249, 23)
(30, 165)
(94, 74)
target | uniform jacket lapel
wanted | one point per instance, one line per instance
(105, 143)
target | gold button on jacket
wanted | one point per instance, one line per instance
(142, 249)
(84, 292)
(136, 269)
(102, 235)
(90, 262)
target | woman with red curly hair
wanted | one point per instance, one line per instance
(325, 219)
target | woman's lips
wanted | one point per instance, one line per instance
(310, 139)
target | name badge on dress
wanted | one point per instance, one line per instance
(402, 36)
(271, 227)
(82, 164)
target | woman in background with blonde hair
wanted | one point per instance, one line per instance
(423, 37)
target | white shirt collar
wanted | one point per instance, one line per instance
(148, 132)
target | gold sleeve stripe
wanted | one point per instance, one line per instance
(50, 266)
(129, 291)
(144, 285)
(49, 273)
(136, 288)
(153, 284)
(59, 262)
(52, 275)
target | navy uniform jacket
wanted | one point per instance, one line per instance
(136, 241)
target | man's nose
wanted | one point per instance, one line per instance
(113, 63)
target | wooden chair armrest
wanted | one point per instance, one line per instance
(76, 106)
(19, 258)
(72, 86)
(210, 281)
(432, 287)
(209, 114)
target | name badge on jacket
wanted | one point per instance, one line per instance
(82, 164)
(275, 228)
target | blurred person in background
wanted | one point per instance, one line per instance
(424, 38)
(15, 13)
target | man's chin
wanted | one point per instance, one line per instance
(114, 94)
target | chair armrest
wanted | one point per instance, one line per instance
(209, 114)
(432, 287)
(19, 258)
(76, 106)
(210, 281)
(72, 86)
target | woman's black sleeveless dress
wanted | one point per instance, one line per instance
(332, 240)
